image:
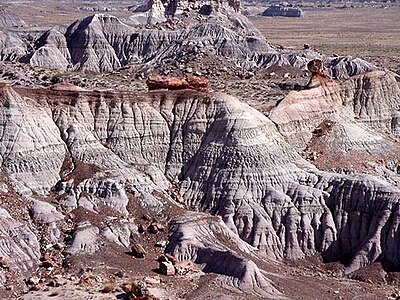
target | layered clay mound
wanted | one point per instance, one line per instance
(7, 19)
(102, 43)
(210, 243)
(98, 151)
(359, 104)
(12, 47)
(109, 44)
(52, 51)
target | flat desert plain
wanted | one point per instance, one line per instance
(372, 33)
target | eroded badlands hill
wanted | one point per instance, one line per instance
(169, 39)
(84, 166)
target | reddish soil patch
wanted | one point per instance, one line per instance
(77, 170)
(325, 157)
(373, 274)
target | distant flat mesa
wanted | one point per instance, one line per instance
(282, 11)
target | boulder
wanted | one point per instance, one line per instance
(319, 74)
(167, 268)
(138, 251)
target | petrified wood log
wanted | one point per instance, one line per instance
(157, 82)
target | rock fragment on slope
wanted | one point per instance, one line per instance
(167, 268)
(138, 251)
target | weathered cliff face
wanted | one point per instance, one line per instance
(377, 109)
(32, 151)
(336, 121)
(100, 150)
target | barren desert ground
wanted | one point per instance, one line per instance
(371, 33)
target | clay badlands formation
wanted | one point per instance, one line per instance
(101, 189)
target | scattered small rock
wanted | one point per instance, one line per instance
(36, 287)
(152, 280)
(152, 229)
(108, 288)
(161, 244)
(140, 289)
(48, 262)
(167, 268)
(34, 280)
(142, 228)
(138, 251)
(56, 281)
(127, 287)
(119, 274)
(155, 228)
(184, 267)
(146, 217)
(4, 263)
(84, 280)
